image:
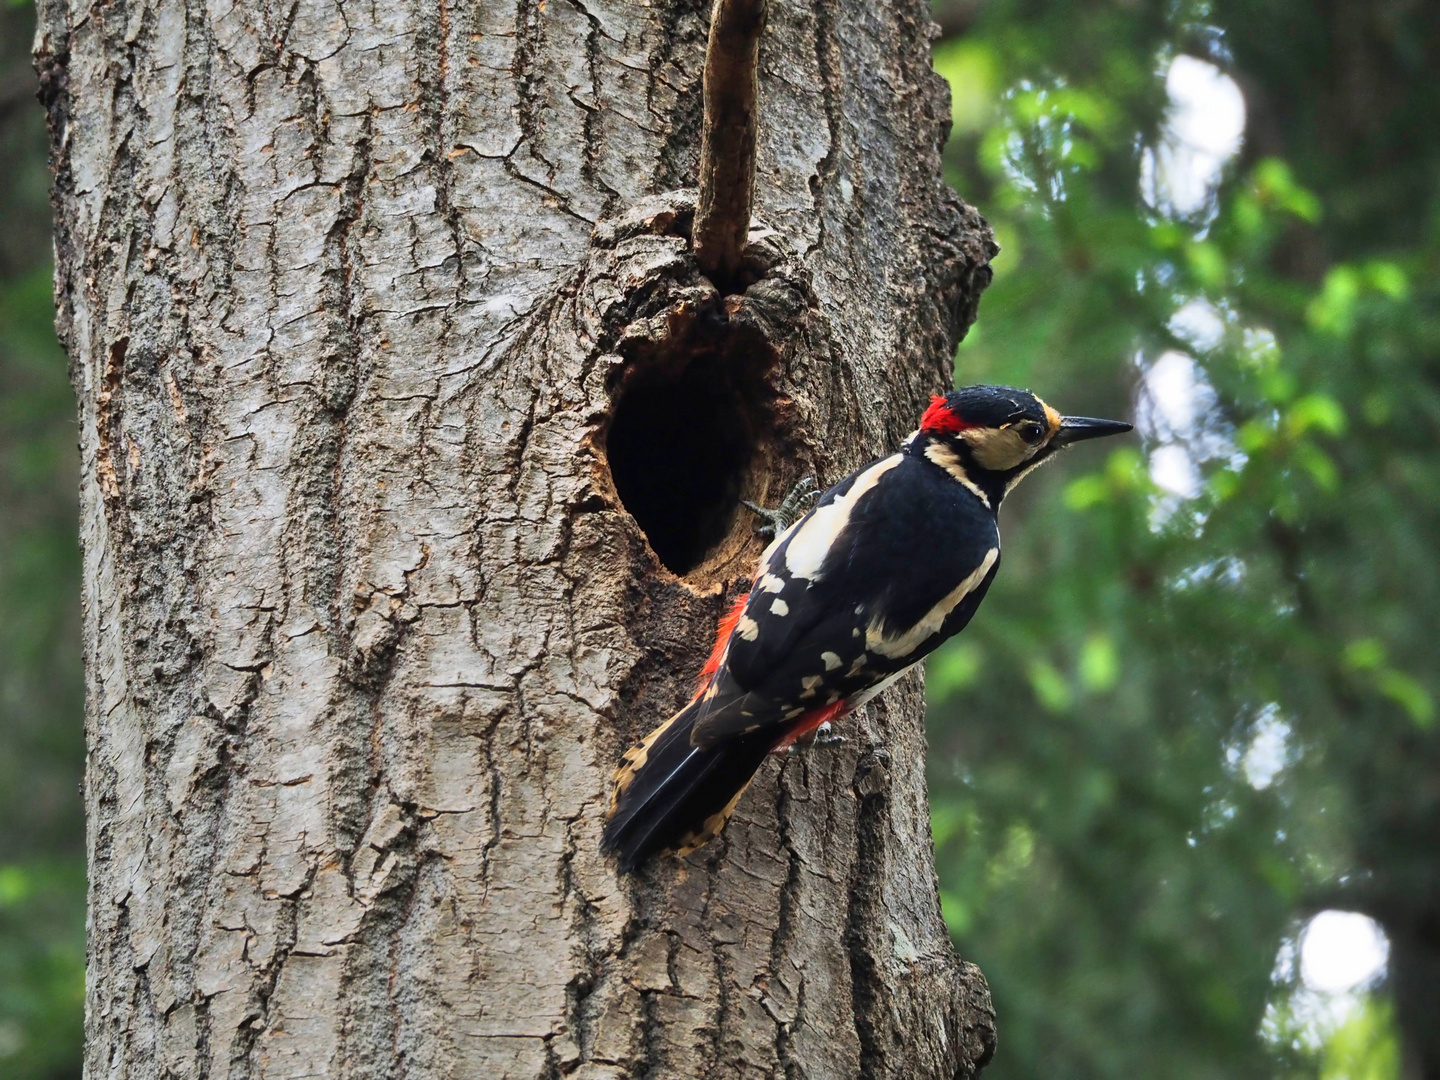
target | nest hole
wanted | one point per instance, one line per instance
(681, 443)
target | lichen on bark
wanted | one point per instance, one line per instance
(367, 621)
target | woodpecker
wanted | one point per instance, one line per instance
(889, 563)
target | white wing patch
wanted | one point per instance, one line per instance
(818, 532)
(771, 583)
(894, 646)
(771, 547)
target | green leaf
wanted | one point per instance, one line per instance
(1126, 470)
(1207, 264)
(1316, 411)
(1051, 689)
(1275, 186)
(1364, 654)
(1099, 666)
(1086, 491)
(1223, 484)
(1332, 312)
(955, 912)
(1254, 436)
(952, 668)
(1320, 465)
(970, 67)
(1278, 386)
(1247, 215)
(1365, 1047)
(946, 819)
(1388, 279)
(1410, 695)
(15, 885)
(1015, 855)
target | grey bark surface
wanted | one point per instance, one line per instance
(367, 624)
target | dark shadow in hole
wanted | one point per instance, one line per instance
(680, 443)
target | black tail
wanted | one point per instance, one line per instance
(672, 796)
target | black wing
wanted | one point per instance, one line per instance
(892, 561)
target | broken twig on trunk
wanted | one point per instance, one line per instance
(727, 143)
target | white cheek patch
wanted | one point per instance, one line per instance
(818, 532)
(878, 640)
(997, 449)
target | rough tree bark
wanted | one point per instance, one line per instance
(376, 423)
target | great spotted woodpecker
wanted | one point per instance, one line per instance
(890, 562)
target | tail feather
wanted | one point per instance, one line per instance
(673, 796)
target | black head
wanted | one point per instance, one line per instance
(999, 433)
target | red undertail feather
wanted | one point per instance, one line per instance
(809, 721)
(722, 636)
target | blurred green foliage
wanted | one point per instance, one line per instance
(42, 967)
(1181, 722)
(1364, 1047)
(1186, 719)
(42, 867)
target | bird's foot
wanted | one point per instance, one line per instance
(824, 737)
(791, 509)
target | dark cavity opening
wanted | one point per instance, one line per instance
(680, 444)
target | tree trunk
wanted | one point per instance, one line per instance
(376, 423)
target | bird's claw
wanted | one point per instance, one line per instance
(791, 509)
(823, 737)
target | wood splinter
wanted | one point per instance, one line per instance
(728, 137)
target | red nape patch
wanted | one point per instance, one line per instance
(722, 636)
(808, 722)
(940, 419)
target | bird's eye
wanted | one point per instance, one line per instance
(1031, 431)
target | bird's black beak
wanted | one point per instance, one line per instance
(1075, 429)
